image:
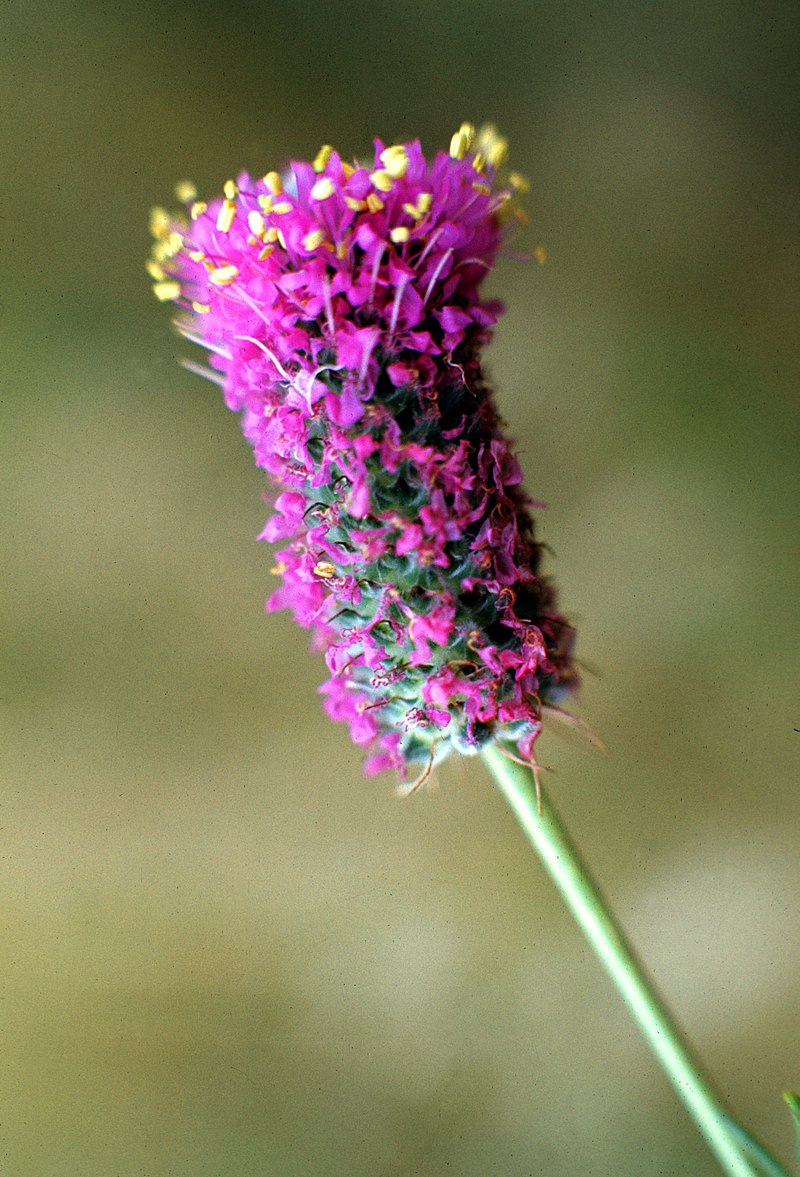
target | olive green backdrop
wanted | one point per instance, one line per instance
(226, 954)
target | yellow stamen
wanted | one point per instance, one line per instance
(266, 203)
(279, 568)
(341, 249)
(255, 222)
(266, 252)
(382, 181)
(223, 275)
(155, 271)
(283, 207)
(521, 183)
(324, 569)
(185, 191)
(348, 170)
(230, 190)
(457, 148)
(479, 162)
(400, 234)
(197, 209)
(202, 308)
(281, 239)
(313, 240)
(484, 189)
(167, 247)
(322, 189)
(167, 291)
(273, 182)
(462, 141)
(492, 145)
(321, 158)
(197, 255)
(271, 234)
(374, 203)
(226, 216)
(540, 254)
(355, 205)
(395, 161)
(159, 222)
(418, 210)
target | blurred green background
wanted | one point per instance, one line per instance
(225, 953)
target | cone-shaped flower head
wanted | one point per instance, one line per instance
(340, 305)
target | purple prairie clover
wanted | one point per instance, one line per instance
(340, 305)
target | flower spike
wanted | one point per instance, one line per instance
(341, 308)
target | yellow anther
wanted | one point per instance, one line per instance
(341, 249)
(540, 254)
(462, 141)
(265, 252)
(395, 161)
(271, 234)
(280, 239)
(197, 209)
(255, 222)
(226, 216)
(274, 183)
(266, 203)
(167, 247)
(155, 271)
(313, 239)
(321, 158)
(521, 183)
(202, 308)
(479, 162)
(355, 205)
(279, 568)
(374, 203)
(484, 189)
(492, 145)
(223, 275)
(159, 222)
(348, 170)
(467, 133)
(457, 148)
(167, 291)
(230, 190)
(324, 569)
(382, 181)
(418, 210)
(197, 255)
(400, 234)
(283, 207)
(185, 191)
(322, 189)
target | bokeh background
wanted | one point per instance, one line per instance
(226, 954)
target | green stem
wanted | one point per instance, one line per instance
(549, 839)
